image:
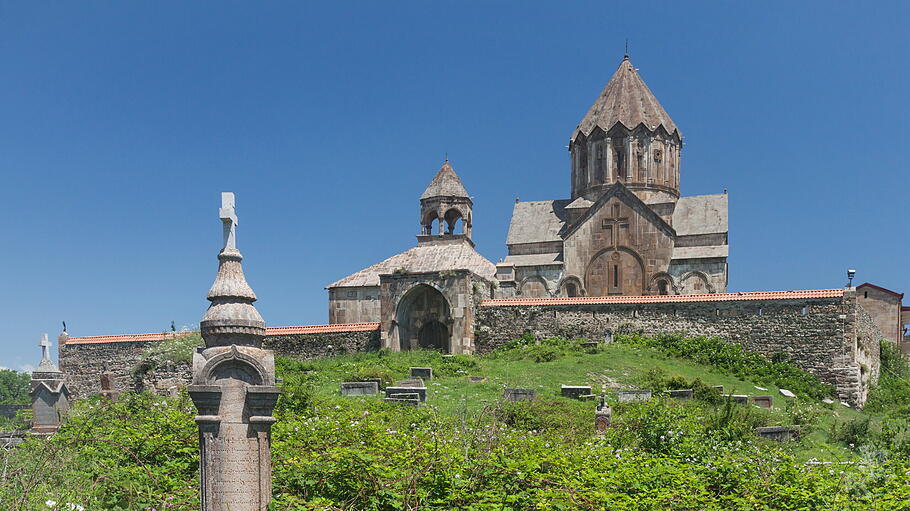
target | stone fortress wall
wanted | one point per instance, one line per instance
(825, 332)
(83, 359)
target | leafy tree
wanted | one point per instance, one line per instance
(14, 387)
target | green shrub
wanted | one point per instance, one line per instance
(892, 391)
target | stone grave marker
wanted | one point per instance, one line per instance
(634, 396)
(603, 415)
(107, 386)
(608, 337)
(720, 388)
(515, 395)
(763, 401)
(379, 383)
(589, 345)
(575, 391)
(681, 393)
(740, 399)
(424, 373)
(359, 388)
(417, 382)
(787, 393)
(477, 379)
(778, 433)
(233, 388)
(397, 392)
(49, 393)
(404, 399)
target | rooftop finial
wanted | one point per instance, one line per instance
(626, 55)
(45, 346)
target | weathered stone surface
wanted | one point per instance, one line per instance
(397, 392)
(603, 415)
(519, 394)
(739, 399)
(424, 373)
(410, 383)
(49, 392)
(787, 393)
(763, 401)
(633, 396)
(359, 388)
(477, 379)
(681, 393)
(575, 391)
(404, 399)
(778, 433)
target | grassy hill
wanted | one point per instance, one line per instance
(467, 449)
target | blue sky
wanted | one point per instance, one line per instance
(122, 122)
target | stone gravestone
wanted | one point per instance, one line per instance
(359, 388)
(633, 396)
(603, 415)
(608, 337)
(107, 386)
(740, 399)
(763, 401)
(519, 394)
(778, 433)
(393, 392)
(681, 393)
(50, 396)
(575, 391)
(477, 379)
(411, 383)
(233, 389)
(424, 373)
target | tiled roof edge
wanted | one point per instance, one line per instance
(269, 331)
(714, 297)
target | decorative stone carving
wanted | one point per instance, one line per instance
(603, 415)
(233, 389)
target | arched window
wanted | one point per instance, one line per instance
(619, 158)
(571, 290)
(662, 287)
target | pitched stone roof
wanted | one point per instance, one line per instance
(445, 184)
(549, 259)
(701, 214)
(713, 297)
(537, 221)
(627, 100)
(430, 257)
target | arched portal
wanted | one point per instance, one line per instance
(615, 272)
(424, 320)
(434, 335)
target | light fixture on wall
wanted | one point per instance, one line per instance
(850, 274)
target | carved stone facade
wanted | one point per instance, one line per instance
(626, 230)
(886, 309)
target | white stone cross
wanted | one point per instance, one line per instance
(229, 219)
(45, 345)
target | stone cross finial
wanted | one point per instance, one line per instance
(229, 219)
(45, 346)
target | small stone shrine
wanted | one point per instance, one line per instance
(50, 397)
(233, 389)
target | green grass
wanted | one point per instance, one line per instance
(615, 365)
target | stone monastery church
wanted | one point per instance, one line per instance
(625, 230)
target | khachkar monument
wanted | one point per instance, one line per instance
(233, 389)
(50, 397)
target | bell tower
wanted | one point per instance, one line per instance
(626, 136)
(447, 202)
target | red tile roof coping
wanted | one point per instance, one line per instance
(269, 331)
(714, 297)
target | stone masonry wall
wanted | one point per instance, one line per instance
(83, 363)
(820, 335)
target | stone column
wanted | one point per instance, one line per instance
(608, 168)
(233, 389)
(50, 397)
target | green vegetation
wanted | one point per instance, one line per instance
(169, 352)
(466, 449)
(14, 387)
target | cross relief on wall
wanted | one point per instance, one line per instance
(616, 226)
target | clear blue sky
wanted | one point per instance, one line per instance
(120, 123)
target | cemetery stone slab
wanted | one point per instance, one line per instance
(778, 433)
(763, 401)
(681, 393)
(519, 394)
(416, 383)
(477, 379)
(425, 373)
(397, 392)
(402, 401)
(740, 399)
(575, 391)
(787, 393)
(359, 388)
(634, 396)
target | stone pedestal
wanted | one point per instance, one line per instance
(235, 395)
(50, 397)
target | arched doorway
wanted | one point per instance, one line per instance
(615, 272)
(424, 320)
(434, 335)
